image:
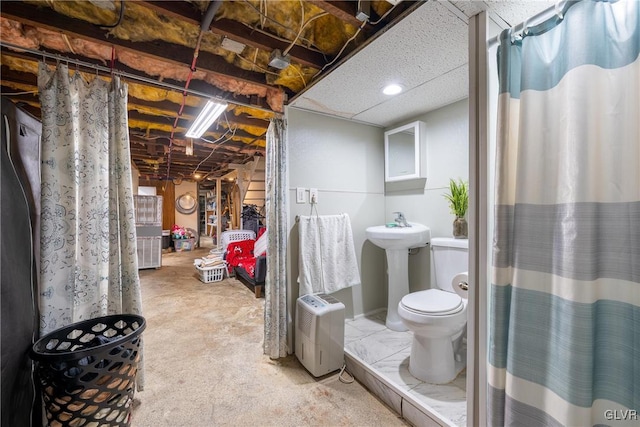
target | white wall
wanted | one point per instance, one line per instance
(447, 146)
(345, 162)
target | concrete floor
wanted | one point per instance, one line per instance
(204, 364)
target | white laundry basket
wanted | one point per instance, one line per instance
(236, 236)
(212, 274)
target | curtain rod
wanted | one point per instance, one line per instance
(558, 10)
(108, 70)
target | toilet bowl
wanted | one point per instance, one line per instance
(438, 317)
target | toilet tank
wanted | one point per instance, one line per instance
(450, 257)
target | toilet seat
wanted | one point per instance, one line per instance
(432, 302)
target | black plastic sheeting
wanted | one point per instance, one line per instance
(19, 216)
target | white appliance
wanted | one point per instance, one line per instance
(320, 333)
(148, 217)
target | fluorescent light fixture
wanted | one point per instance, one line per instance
(392, 89)
(205, 119)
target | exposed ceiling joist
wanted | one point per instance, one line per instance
(343, 10)
(151, 45)
(196, 85)
(180, 56)
(239, 32)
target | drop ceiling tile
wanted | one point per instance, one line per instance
(428, 43)
(426, 52)
(469, 7)
(443, 90)
(515, 12)
(511, 12)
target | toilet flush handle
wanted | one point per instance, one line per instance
(464, 286)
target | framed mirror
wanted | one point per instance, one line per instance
(402, 149)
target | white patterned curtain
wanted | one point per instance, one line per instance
(89, 265)
(275, 312)
(565, 310)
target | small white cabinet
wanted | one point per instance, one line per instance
(148, 218)
(405, 152)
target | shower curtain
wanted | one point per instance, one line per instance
(564, 343)
(275, 310)
(89, 265)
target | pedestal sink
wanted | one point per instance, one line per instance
(396, 241)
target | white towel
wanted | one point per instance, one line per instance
(327, 255)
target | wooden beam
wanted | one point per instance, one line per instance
(197, 85)
(230, 143)
(343, 10)
(192, 112)
(229, 148)
(237, 32)
(172, 53)
(183, 124)
(7, 74)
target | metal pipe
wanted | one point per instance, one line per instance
(558, 10)
(210, 13)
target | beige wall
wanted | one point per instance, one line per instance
(191, 220)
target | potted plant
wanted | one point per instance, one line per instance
(458, 198)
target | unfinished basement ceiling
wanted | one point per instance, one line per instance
(152, 44)
(426, 53)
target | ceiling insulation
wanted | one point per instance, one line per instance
(152, 44)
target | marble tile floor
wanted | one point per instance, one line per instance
(386, 353)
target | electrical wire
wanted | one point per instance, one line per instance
(68, 43)
(341, 50)
(268, 17)
(119, 17)
(385, 15)
(19, 93)
(304, 82)
(309, 46)
(262, 17)
(313, 18)
(275, 22)
(344, 370)
(218, 141)
(256, 65)
(302, 24)
(196, 51)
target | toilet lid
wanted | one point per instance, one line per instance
(433, 301)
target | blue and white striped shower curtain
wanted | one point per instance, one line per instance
(564, 345)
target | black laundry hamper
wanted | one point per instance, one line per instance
(87, 371)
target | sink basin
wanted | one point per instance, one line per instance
(399, 237)
(396, 242)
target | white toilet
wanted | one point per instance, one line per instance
(438, 317)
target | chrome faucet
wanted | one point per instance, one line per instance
(401, 220)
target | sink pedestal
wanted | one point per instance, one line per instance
(396, 241)
(398, 276)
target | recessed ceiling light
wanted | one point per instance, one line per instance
(392, 89)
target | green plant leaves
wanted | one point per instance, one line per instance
(458, 197)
